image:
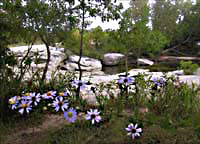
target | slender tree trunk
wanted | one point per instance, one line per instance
(81, 42)
(126, 63)
(48, 58)
(81, 48)
(21, 64)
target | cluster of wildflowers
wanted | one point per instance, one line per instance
(52, 99)
(58, 102)
(27, 101)
(24, 103)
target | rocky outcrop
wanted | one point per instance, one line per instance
(87, 64)
(38, 55)
(91, 67)
(111, 59)
(190, 79)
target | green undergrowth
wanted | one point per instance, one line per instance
(168, 113)
(156, 130)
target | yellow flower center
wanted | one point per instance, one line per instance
(49, 93)
(44, 108)
(61, 94)
(18, 98)
(24, 105)
(12, 101)
(69, 114)
(27, 94)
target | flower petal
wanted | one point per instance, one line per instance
(137, 134)
(98, 118)
(127, 129)
(129, 133)
(88, 117)
(136, 125)
(93, 121)
(139, 130)
(133, 136)
(21, 111)
(130, 126)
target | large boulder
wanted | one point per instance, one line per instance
(87, 64)
(112, 59)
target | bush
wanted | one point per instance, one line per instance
(188, 67)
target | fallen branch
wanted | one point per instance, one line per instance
(176, 46)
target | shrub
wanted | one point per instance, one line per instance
(188, 67)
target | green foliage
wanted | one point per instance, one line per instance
(188, 67)
(164, 17)
(7, 61)
(136, 35)
(96, 42)
(155, 42)
(171, 109)
(71, 42)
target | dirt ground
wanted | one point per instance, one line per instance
(32, 135)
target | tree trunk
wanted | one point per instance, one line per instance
(81, 43)
(23, 59)
(48, 59)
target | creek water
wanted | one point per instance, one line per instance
(157, 67)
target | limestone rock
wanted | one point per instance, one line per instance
(141, 61)
(112, 59)
(87, 64)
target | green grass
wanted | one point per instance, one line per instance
(113, 132)
(172, 117)
(157, 129)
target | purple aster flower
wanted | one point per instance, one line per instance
(79, 83)
(49, 95)
(26, 95)
(25, 106)
(34, 98)
(93, 115)
(14, 102)
(59, 103)
(70, 115)
(158, 81)
(125, 80)
(134, 130)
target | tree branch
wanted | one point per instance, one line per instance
(48, 57)
(176, 46)
(23, 59)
